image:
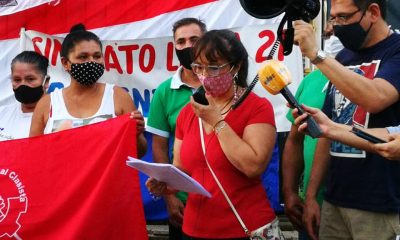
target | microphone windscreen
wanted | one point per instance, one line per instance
(274, 76)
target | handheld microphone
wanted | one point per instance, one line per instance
(274, 77)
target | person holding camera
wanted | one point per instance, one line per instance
(361, 199)
(226, 150)
(168, 100)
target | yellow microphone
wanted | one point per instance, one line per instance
(275, 77)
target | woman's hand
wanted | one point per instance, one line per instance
(210, 114)
(155, 187)
(158, 188)
(137, 115)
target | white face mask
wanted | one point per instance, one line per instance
(333, 45)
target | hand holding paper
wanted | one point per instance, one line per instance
(169, 174)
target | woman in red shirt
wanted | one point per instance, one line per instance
(238, 144)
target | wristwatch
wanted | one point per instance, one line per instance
(321, 56)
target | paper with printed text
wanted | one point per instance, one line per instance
(169, 174)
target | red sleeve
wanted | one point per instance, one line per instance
(180, 122)
(262, 111)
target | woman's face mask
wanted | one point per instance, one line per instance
(27, 81)
(87, 73)
(27, 95)
(217, 85)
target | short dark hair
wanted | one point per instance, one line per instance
(76, 35)
(188, 21)
(40, 62)
(224, 44)
(363, 5)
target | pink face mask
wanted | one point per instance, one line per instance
(217, 85)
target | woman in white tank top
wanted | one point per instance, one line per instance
(28, 79)
(84, 101)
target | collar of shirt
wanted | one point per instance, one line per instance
(176, 81)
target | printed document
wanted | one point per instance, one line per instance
(169, 174)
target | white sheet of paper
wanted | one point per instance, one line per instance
(169, 174)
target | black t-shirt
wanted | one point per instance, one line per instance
(358, 179)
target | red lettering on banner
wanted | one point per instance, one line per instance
(260, 57)
(151, 58)
(111, 60)
(56, 52)
(50, 44)
(35, 47)
(170, 57)
(128, 49)
(47, 48)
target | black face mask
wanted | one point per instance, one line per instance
(27, 95)
(87, 73)
(352, 35)
(185, 57)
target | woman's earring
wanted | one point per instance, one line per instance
(235, 91)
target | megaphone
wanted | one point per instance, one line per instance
(293, 9)
(263, 9)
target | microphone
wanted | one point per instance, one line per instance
(274, 77)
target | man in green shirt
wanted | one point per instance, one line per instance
(298, 154)
(168, 100)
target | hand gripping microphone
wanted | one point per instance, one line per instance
(274, 77)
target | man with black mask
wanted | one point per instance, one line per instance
(28, 80)
(168, 100)
(362, 189)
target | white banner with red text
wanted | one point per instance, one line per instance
(140, 65)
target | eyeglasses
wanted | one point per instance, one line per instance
(211, 70)
(342, 19)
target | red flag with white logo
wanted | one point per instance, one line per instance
(73, 184)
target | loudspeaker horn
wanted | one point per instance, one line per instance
(263, 9)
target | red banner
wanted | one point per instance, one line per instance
(56, 19)
(73, 184)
